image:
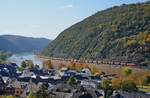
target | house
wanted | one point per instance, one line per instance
(50, 86)
(4, 71)
(96, 78)
(37, 71)
(117, 96)
(70, 73)
(80, 77)
(18, 87)
(62, 71)
(85, 72)
(10, 90)
(89, 83)
(64, 78)
(8, 69)
(30, 87)
(42, 79)
(26, 73)
(53, 72)
(85, 92)
(61, 91)
(5, 79)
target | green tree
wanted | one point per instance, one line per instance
(20, 69)
(71, 81)
(23, 64)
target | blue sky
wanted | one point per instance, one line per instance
(47, 18)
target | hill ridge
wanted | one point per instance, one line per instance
(120, 32)
(17, 43)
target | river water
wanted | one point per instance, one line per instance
(18, 58)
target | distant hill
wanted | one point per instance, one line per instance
(121, 32)
(18, 44)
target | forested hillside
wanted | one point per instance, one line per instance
(12, 43)
(121, 32)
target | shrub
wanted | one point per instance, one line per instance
(128, 85)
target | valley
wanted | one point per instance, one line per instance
(101, 55)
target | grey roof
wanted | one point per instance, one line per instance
(85, 92)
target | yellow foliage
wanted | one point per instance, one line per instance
(116, 83)
(47, 64)
(77, 66)
(138, 78)
(29, 63)
(131, 42)
(143, 38)
(72, 65)
(94, 70)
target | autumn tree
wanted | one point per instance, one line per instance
(29, 63)
(116, 83)
(94, 70)
(72, 65)
(47, 64)
(127, 71)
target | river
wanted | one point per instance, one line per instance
(18, 58)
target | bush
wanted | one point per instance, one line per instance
(128, 85)
(147, 80)
(71, 81)
(127, 71)
(116, 83)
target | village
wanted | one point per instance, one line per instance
(65, 81)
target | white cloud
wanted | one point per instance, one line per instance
(67, 6)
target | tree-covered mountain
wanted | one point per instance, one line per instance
(18, 44)
(120, 32)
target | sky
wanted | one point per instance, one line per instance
(48, 18)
